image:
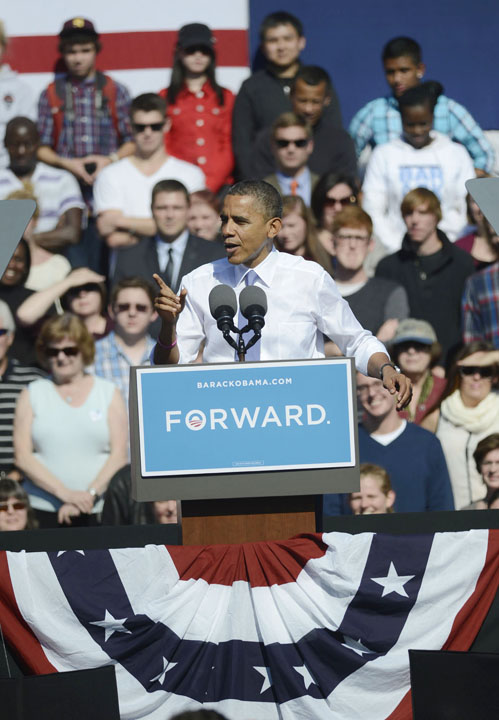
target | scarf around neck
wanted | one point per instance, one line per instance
(473, 419)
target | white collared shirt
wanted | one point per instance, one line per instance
(303, 304)
(178, 247)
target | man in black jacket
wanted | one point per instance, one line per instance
(430, 268)
(333, 148)
(173, 251)
(266, 94)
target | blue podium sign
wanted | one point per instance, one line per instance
(243, 424)
(219, 419)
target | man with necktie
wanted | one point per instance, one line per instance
(303, 301)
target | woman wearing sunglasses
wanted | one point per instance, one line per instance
(70, 430)
(332, 193)
(467, 414)
(15, 511)
(200, 110)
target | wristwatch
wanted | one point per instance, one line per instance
(93, 492)
(389, 364)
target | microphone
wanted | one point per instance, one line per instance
(223, 307)
(253, 304)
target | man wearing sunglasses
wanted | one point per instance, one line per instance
(333, 149)
(132, 310)
(123, 190)
(292, 146)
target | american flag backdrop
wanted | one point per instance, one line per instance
(315, 627)
(138, 38)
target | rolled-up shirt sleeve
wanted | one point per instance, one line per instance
(336, 320)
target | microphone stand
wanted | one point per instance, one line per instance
(243, 347)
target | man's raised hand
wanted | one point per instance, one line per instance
(167, 304)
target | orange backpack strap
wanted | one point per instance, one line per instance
(55, 96)
(106, 86)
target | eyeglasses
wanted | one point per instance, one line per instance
(414, 345)
(69, 351)
(301, 143)
(19, 505)
(352, 238)
(140, 127)
(197, 48)
(3, 331)
(364, 390)
(344, 201)
(484, 372)
(125, 307)
(88, 287)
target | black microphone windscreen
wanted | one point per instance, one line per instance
(250, 296)
(222, 296)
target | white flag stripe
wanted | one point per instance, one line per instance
(116, 16)
(377, 688)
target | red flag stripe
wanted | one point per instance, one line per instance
(124, 50)
(15, 629)
(260, 564)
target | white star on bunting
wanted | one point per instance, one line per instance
(393, 582)
(111, 625)
(265, 672)
(166, 668)
(61, 552)
(356, 646)
(307, 677)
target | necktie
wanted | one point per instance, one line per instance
(254, 351)
(294, 187)
(168, 274)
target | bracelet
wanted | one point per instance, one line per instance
(165, 347)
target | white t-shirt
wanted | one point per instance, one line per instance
(55, 190)
(48, 273)
(396, 167)
(121, 186)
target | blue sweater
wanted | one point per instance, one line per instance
(417, 469)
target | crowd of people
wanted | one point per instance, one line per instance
(131, 189)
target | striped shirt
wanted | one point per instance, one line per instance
(379, 122)
(15, 378)
(481, 306)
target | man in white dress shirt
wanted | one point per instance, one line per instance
(302, 298)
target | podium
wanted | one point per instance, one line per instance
(246, 447)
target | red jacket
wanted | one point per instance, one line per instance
(201, 133)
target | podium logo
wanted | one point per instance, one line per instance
(258, 417)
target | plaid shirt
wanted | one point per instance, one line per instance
(112, 363)
(87, 134)
(379, 122)
(481, 306)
